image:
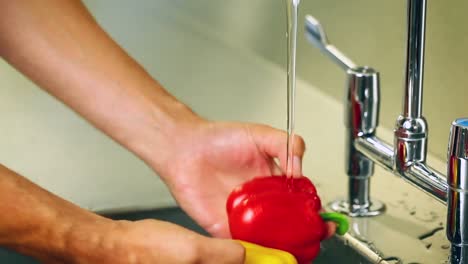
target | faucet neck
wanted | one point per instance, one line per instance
(411, 127)
(415, 58)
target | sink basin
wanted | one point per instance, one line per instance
(335, 250)
(7, 256)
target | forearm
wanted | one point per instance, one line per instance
(52, 230)
(38, 223)
(58, 45)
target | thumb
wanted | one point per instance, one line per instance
(273, 142)
(223, 251)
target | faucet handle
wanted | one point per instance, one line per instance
(458, 145)
(457, 179)
(316, 35)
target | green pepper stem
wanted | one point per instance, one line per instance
(340, 220)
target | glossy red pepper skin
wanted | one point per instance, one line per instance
(280, 213)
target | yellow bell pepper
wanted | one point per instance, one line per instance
(255, 254)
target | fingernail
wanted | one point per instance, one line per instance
(297, 166)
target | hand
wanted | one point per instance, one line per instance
(213, 158)
(149, 241)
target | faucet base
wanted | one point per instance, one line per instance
(342, 206)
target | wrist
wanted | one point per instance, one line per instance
(56, 236)
(87, 241)
(173, 130)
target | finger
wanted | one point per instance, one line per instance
(272, 142)
(223, 251)
(297, 166)
(219, 230)
(298, 146)
(275, 168)
(331, 228)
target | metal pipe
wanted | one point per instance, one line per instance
(410, 145)
(422, 176)
(376, 150)
(359, 193)
(415, 58)
(428, 180)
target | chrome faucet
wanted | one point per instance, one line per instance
(457, 203)
(407, 157)
(361, 120)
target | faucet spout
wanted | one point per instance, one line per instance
(411, 127)
(415, 58)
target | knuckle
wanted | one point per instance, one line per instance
(300, 141)
(191, 253)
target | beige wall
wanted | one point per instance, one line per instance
(370, 32)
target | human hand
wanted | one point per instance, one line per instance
(148, 241)
(213, 158)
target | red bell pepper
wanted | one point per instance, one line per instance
(278, 212)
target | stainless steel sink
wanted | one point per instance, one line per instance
(336, 250)
(345, 249)
(7, 256)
